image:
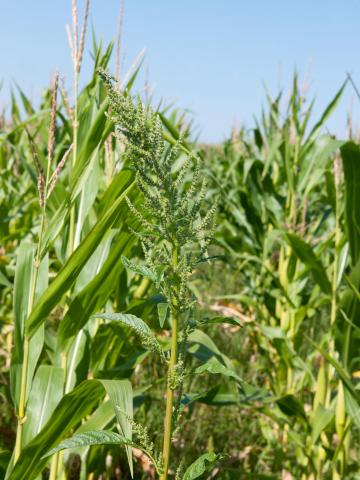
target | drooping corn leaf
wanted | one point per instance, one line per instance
(97, 291)
(306, 254)
(73, 407)
(70, 410)
(67, 275)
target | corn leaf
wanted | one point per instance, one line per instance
(121, 398)
(305, 253)
(67, 275)
(46, 392)
(70, 410)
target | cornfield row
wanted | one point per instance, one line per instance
(174, 310)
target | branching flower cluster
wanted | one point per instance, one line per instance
(170, 217)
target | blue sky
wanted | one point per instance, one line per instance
(212, 57)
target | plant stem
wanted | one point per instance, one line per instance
(56, 465)
(333, 295)
(26, 341)
(75, 145)
(170, 391)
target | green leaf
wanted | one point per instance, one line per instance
(135, 323)
(139, 269)
(95, 135)
(25, 101)
(162, 309)
(203, 464)
(23, 280)
(70, 410)
(215, 367)
(352, 408)
(327, 112)
(221, 320)
(97, 291)
(305, 253)
(203, 348)
(343, 374)
(321, 419)
(121, 398)
(291, 406)
(45, 394)
(100, 419)
(350, 153)
(22, 287)
(67, 275)
(100, 437)
(147, 338)
(77, 361)
(4, 281)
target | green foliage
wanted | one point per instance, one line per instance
(249, 331)
(201, 465)
(100, 437)
(147, 338)
(170, 219)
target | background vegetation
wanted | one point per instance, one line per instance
(275, 348)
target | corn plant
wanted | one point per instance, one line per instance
(282, 222)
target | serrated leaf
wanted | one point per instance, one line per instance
(215, 367)
(100, 437)
(138, 325)
(147, 338)
(139, 269)
(203, 464)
